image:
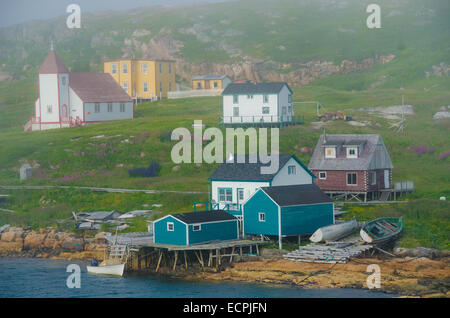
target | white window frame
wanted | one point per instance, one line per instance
(235, 111)
(325, 175)
(289, 98)
(266, 110)
(144, 68)
(145, 87)
(265, 99)
(235, 99)
(356, 178)
(292, 170)
(333, 155)
(114, 68)
(199, 227)
(122, 107)
(349, 155)
(373, 177)
(170, 227)
(215, 84)
(225, 194)
(110, 107)
(97, 108)
(125, 86)
(262, 216)
(124, 68)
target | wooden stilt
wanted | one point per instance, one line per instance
(201, 259)
(175, 261)
(185, 260)
(257, 250)
(159, 261)
(218, 256)
(210, 258)
(240, 252)
(232, 252)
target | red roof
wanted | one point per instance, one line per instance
(53, 64)
(97, 88)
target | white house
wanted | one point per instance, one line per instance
(232, 182)
(70, 99)
(257, 103)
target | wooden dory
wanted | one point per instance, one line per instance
(333, 232)
(382, 230)
(116, 270)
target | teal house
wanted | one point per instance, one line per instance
(287, 211)
(195, 227)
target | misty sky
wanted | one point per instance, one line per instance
(18, 11)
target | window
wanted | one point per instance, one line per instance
(144, 68)
(197, 227)
(110, 107)
(122, 107)
(160, 68)
(373, 177)
(330, 152)
(215, 84)
(235, 99)
(170, 86)
(266, 110)
(97, 108)
(236, 111)
(125, 86)
(124, 68)
(145, 88)
(199, 85)
(289, 98)
(114, 68)
(250, 96)
(322, 175)
(265, 98)
(170, 226)
(352, 152)
(225, 195)
(63, 80)
(240, 193)
(261, 217)
(351, 178)
(170, 68)
(160, 86)
(49, 109)
(290, 109)
(291, 170)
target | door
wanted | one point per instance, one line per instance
(386, 179)
(240, 195)
(207, 85)
(65, 113)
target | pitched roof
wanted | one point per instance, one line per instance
(233, 170)
(297, 194)
(255, 88)
(373, 153)
(53, 64)
(206, 77)
(203, 216)
(97, 87)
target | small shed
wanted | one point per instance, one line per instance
(287, 211)
(25, 171)
(195, 227)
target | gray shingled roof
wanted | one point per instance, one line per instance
(202, 77)
(53, 64)
(204, 216)
(232, 170)
(254, 88)
(297, 194)
(374, 154)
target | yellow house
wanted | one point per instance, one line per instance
(142, 78)
(210, 82)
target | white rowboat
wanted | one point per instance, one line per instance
(116, 270)
(333, 232)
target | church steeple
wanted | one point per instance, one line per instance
(53, 64)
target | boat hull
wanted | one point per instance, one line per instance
(116, 270)
(381, 231)
(333, 232)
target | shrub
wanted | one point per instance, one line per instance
(152, 170)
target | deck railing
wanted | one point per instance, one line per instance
(261, 120)
(232, 208)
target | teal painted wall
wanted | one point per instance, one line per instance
(305, 219)
(260, 202)
(175, 237)
(213, 231)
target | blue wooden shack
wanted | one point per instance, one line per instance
(195, 227)
(287, 211)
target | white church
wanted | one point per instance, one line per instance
(73, 99)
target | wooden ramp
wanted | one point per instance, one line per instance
(330, 252)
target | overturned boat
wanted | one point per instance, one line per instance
(116, 270)
(334, 232)
(381, 230)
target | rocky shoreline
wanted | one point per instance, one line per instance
(419, 272)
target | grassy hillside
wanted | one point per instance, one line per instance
(416, 32)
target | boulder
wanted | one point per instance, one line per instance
(34, 240)
(431, 253)
(13, 234)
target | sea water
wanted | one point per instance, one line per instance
(37, 277)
